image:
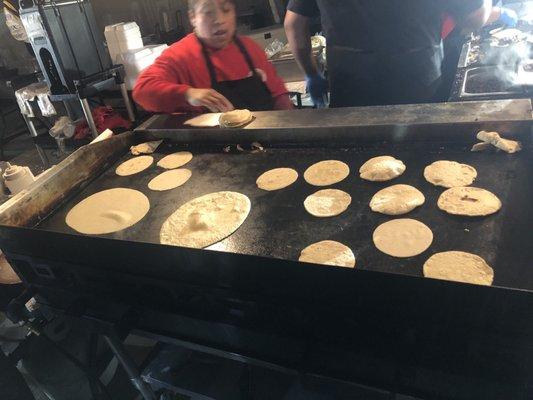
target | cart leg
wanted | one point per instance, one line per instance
(89, 116)
(31, 126)
(129, 366)
(127, 101)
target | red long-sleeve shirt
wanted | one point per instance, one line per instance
(161, 87)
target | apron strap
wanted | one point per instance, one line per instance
(211, 67)
(246, 55)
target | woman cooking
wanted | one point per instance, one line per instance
(211, 69)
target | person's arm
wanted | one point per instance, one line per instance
(297, 30)
(504, 15)
(471, 15)
(298, 35)
(162, 88)
(283, 102)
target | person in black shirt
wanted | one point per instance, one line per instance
(378, 51)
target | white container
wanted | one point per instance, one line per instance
(17, 178)
(138, 60)
(123, 37)
(130, 44)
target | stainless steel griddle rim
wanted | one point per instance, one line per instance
(464, 93)
(353, 123)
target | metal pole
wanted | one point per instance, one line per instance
(42, 155)
(31, 127)
(129, 366)
(89, 117)
(127, 101)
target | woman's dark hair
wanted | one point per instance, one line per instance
(193, 3)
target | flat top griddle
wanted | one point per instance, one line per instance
(278, 225)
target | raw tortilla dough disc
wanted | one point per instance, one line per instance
(327, 203)
(205, 220)
(325, 173)
(397, 200)
(450, 174)
(328, 252)
(170, 179)
(235, 118)
(382, 168)
(276, 179)
(403, 237)
(134, 165)
(108, 211)
(469, 201)
(459, 266)
(175, 160)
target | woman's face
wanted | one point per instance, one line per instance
(214, 22)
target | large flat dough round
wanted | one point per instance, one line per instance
(325, 173)
(108, 211)
(276, 179)
(327, 203)
(170, 179)
(175, 160)
(403, 237)
(134, 165)
(450, 174)
(397, 200)
(459, 266)
(382, 168)
(328, 252)
(205, 220)
(469, 201)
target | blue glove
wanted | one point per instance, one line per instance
(317, 87)
(508, 17)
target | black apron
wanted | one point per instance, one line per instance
(361, 78)
(250, 93)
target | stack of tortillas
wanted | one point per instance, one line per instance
(235, 118)
(382, 168)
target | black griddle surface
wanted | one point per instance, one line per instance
(278, 225)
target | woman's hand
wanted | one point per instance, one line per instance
(209, 98)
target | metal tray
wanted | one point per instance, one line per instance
(488, 76)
